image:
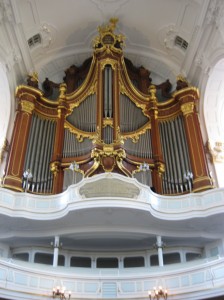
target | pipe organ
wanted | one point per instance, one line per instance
(108, 117)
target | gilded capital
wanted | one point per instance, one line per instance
(187, 108)
(27, 106)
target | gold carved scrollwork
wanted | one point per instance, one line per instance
(27, 106)
(187, 108)
(80, 135)
(108, 151)
(108, 122)
(107, 38)
(136, 134)
(54, 167)
(160, 168)
(108, 61)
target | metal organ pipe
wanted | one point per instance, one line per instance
(131, 117)
(165, 152)
(84, 116)
(39, 152)
(108, 92)
(41, 156)
(46, 156)
(105, 91)
(142, 148)
(175, 152)
(72, 147)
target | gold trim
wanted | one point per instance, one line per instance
(13, 178)
(12, 187)
(80, 135)
(93, 168)
(78, 170)
(169, 117)
(124, 89)
(134, 135)
(29, 88)
(89, 85)
(201, 178)
(206, 187)
(187, 89)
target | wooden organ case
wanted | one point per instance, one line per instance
(108, 117)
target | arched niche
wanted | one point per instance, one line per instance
(5, 104)
(213, 110)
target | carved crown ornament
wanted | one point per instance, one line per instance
(107, 38)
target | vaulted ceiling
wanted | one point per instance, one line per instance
(161, 35)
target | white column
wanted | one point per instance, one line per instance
(121, 263)
(93, 263)
(159, 245)
(56, 251)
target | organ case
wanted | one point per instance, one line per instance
(108, 117)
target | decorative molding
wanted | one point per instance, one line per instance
(216, 151)
(109, 7)
(215, 13)
(167, 36)
(6, 12)
(48, 34)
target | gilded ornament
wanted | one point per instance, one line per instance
(54, 167)
(107, 38)
(136, 134)
(160, 167)
(187, 108)
(108, 122)
(182, 78)
(27, 106)
(32, 79)
(62, 90)
(152, 91)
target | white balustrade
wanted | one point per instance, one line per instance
(26, 279)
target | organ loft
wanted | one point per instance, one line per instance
(107, 116)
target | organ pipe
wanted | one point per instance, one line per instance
(175, 152)
(39, 152)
